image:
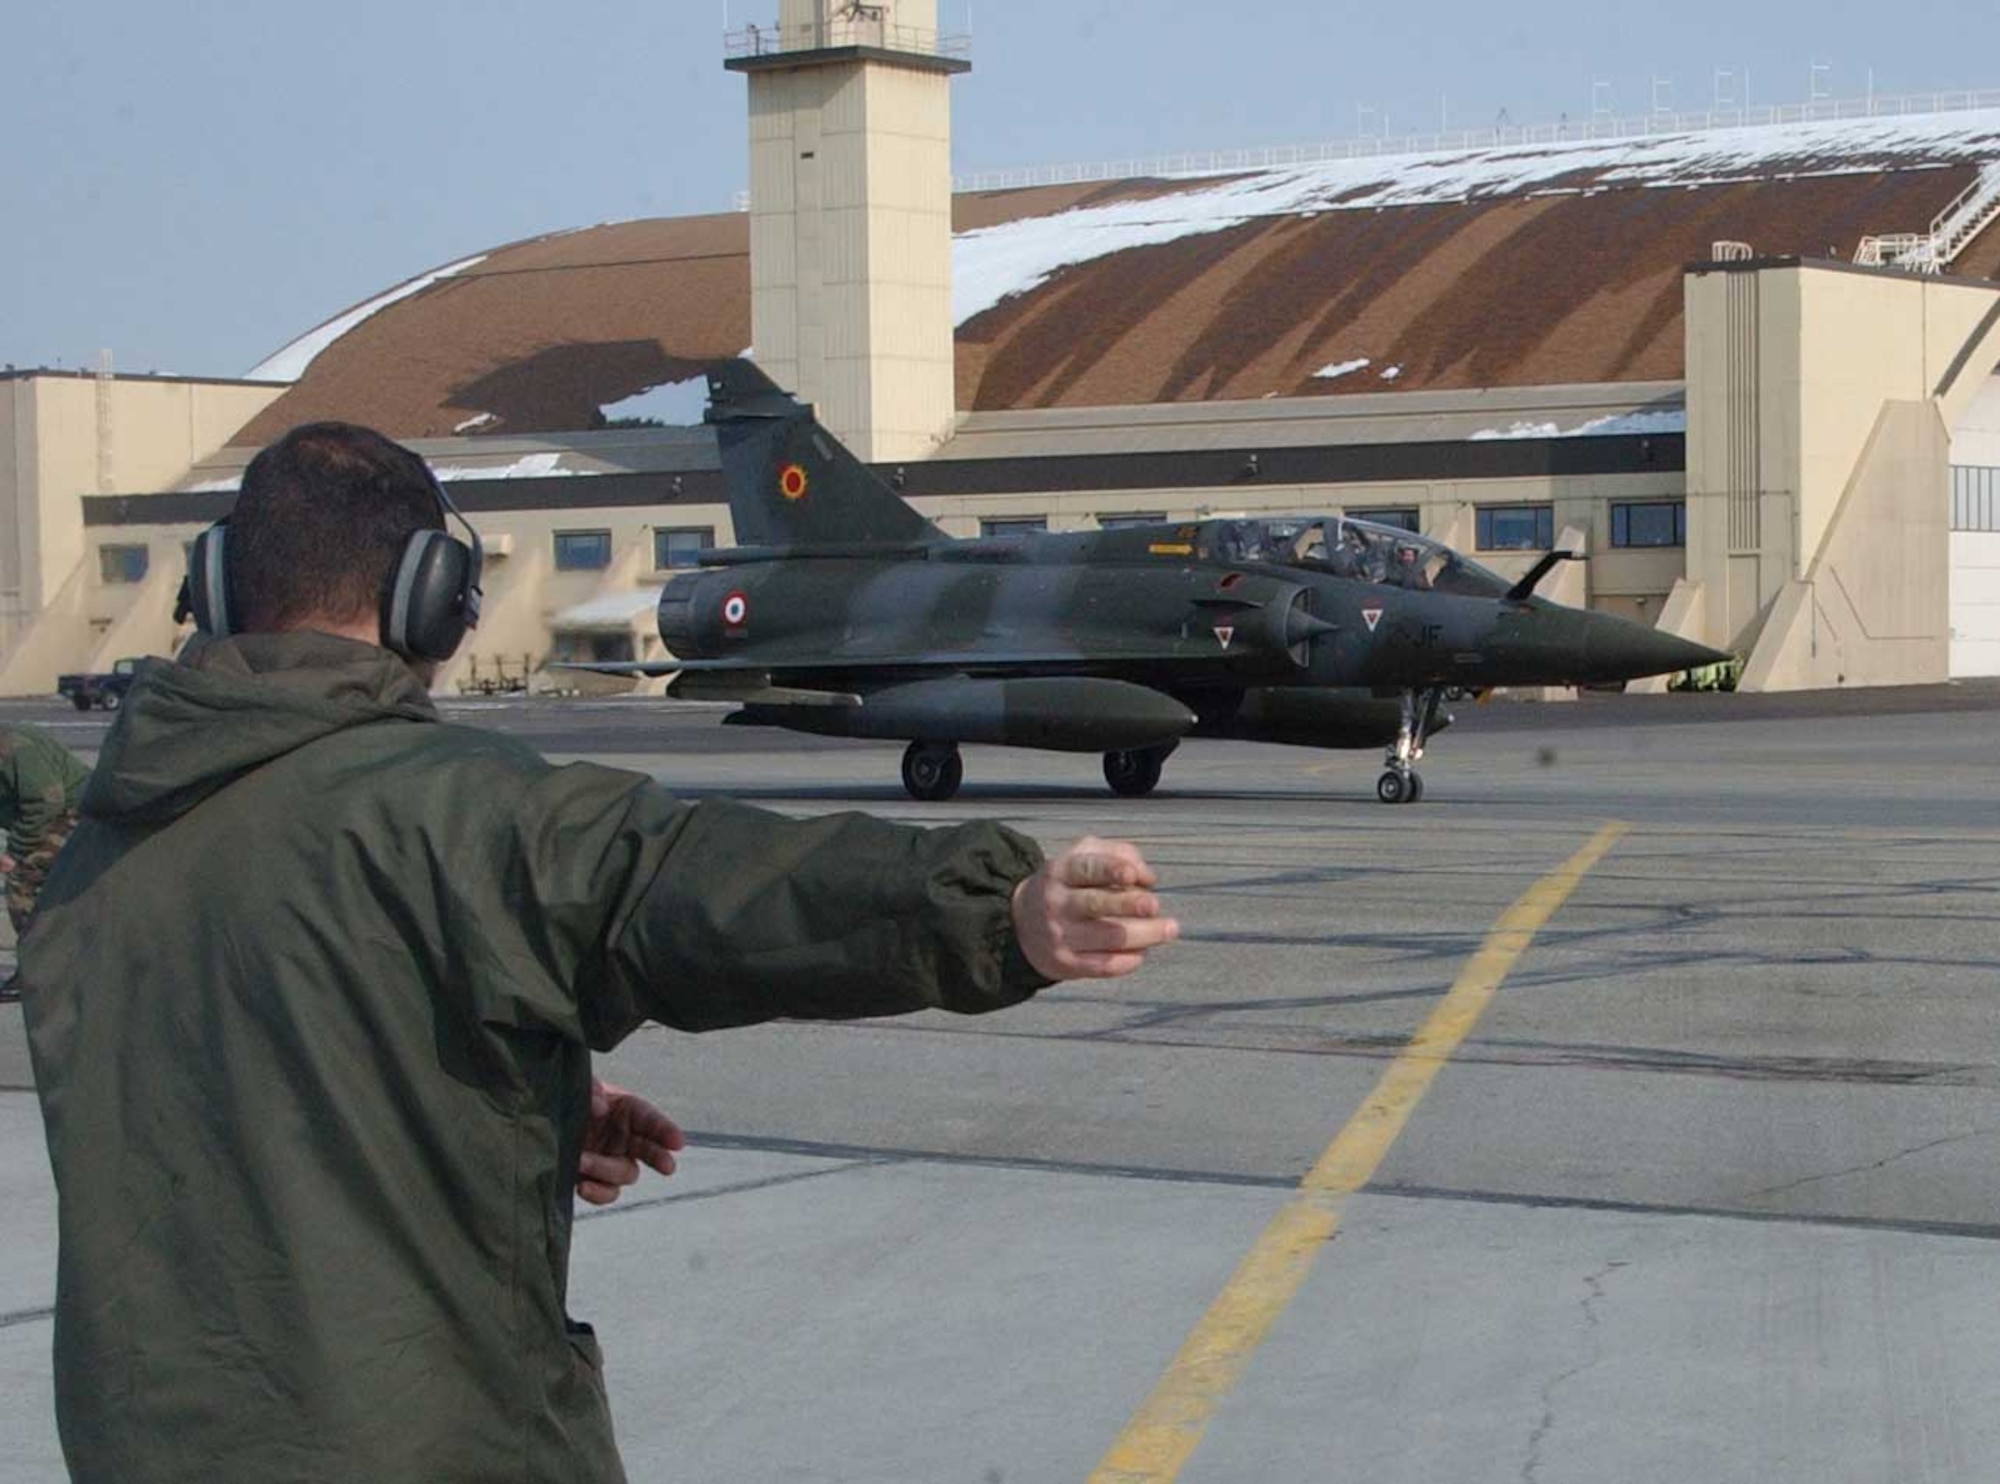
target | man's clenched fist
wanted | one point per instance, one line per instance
(1090, 913)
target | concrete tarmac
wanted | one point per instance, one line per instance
(1710, 1192)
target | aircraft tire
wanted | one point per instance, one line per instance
(932, 771)
(1394, 788)
(1134, 774)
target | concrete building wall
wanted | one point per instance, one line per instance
(1818, 463)
(64, 436)
(1975, 440)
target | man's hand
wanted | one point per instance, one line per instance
(1090, 913)
(7, 864)
(625, 1132)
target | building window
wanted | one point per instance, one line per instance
(1014, 525)
(1118, 520)
(1658, 523)
(1517, 527)
(123, 563)
(583, 551)
(587, 648)
(1402, 517)
(1975, 498)
(681, 546)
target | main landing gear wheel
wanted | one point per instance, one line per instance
(932, 771)
(1399, 788)
(1134, 774)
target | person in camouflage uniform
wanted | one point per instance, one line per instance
(40, 780)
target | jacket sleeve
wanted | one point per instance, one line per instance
(38, 802)
(718, 914)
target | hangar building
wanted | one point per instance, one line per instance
(1744, 363)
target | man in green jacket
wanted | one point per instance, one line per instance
(312, 996)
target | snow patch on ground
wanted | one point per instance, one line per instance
(290, 363)
(678, 404)
(1626, 424)
(1390, 373)
(1342, 368)
(475, 422)
(996, 263)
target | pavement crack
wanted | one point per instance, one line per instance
(1872, 1165)
(740, 1187)
(1593, 1296)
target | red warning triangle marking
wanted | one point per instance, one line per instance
(1371, 617)
(1224, 634)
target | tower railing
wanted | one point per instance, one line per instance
(866, 25)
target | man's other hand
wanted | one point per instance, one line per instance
(1090, 913)
(625, 1132)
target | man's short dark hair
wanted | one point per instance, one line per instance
(321, 524)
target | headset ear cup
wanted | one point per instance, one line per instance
(425, 612)
(207, 586)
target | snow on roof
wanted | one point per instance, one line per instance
(617, 610)
(1670, 420)
(997, 262)
(532, 466)
(290, 363)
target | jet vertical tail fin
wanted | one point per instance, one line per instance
(792, 483)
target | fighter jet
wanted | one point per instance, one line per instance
(846, 613)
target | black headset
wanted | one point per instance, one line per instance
(430, 602)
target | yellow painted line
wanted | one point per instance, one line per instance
(1170, 1423)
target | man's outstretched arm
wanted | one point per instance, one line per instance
(752, 916)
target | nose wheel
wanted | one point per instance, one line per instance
(1400, 782)
(1400, 788)
(932, 771)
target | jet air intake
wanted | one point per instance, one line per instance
(1262, 616)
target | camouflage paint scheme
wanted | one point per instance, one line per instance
(844, 612)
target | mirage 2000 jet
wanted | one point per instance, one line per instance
(846, 613)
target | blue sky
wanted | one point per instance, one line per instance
(194, 182)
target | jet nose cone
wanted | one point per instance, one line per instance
(1622, 650)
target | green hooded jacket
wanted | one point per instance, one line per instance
(312, 996)
(39, 781)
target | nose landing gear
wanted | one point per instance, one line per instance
(1400, 782)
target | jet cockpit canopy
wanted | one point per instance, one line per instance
(1356, 549)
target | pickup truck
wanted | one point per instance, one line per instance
(106, 692)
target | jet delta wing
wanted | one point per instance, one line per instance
(846, 613)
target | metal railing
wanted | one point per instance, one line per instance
(860, 25)
(1971, 212)
(1601, 128)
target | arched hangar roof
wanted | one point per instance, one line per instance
(1515, 266)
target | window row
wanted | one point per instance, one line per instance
(673, 548)
(1975, 507)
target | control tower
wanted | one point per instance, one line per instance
(850, 215)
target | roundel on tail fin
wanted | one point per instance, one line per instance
(792, 481)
